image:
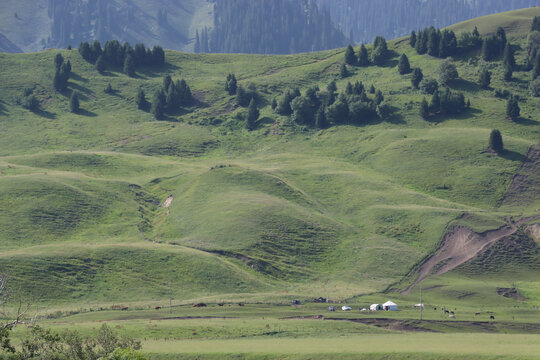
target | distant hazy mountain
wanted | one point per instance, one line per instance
(365, 19)
(248, 26)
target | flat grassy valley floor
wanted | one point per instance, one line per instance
(111, 208)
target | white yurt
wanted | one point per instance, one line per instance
(375, 307)
(390, 306)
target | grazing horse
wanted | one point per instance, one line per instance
(125, 308)
(158, 308)
(476, 314)
(199, 305)
(446, 312)
(492, 317)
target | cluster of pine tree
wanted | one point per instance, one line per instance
(321, 108)
(445, 102)
(378, 56)
(202, 42)
(62, 73)
(493, 46)
(169, 99)
(115, 54)
(271, 27)
(364, 19)
(434, 42)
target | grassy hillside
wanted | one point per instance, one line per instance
(273, 213)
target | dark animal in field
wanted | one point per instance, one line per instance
(321, 300)
(158, 308)
(476, 314)
(434, 309)
(296, 302)
(125, 308)
(452, 313)
(240, 304)
(221, 304)
(199, 305)
(446, 312)
(492, 317)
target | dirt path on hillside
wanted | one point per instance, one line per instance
(458, 247)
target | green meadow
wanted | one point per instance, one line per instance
(112, 207)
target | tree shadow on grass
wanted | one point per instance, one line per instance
(84, 93)
(85, 112)
(78, 77)
(464, 85)
(108, 74)
(464, 115)
(46, 114)
(3, 110)
(153, 71)
(512, 155)
(526, 122)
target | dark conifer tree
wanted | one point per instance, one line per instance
(417, 77)
(320, 118)
(108, 89)
(243, 98)
(100, 64)
(512, 108)
(380, 51)
(231, 84)
(274, 104)
(536, 66)
(508, 58)
(129, 66)
(484, 78)
(84, 50)
(403, 66)
(350, 57)
(252, 115)
(158, 56)
(435, 105)
(74, 105)
(167, 80)
(412, 39)
(372, 89)
(158, 104)
(140, 99)
(58, 61)
(379, 98)
(344, 72)
(535, 26)
(424, 109)
(96, 50)
(197, 46)
(363, 56)
(476, 33)
(496, 141)
(501, 37)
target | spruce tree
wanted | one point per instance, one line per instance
(274, 104)
(158, 105)
(484, 78)
(496, 141)
(231, 84)
(140, 99)
(447, 72)
(350, 57)
(403, 66)
(380, 51)
(372, 89)
(363, 56)
(320, 118)
(252, 115)
(417, 77)
(508, 57)
(508, 73)
(379, 98)
(343, 72)
(84, 50)
(109, 89)
(74, 105)
(129, 66)
(412, 39)
(332, 87)
(424, 109)
(536, 66)
(435, 105)
(58, 61)
(167, 80)
(535, 26)
(512, 108)
(197, 47)
(100, 64)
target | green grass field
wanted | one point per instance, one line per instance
(266, 216)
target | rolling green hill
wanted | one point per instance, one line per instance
(110, 205)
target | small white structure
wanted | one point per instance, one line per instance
(346, 308)
(390, 306)
(375, 307)
(419, 306)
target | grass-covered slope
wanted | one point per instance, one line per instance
(279, 211)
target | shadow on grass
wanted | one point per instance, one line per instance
(464, 85)
(46, 114)
(464, 115)
(526, 122)
(3, 110)
(512, 155)
(109, 74)
(84, 93)
(265, 120)
(153, 71)
(88, 113)
(78, 77)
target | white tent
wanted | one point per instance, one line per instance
(375, 307)
(390, 306)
